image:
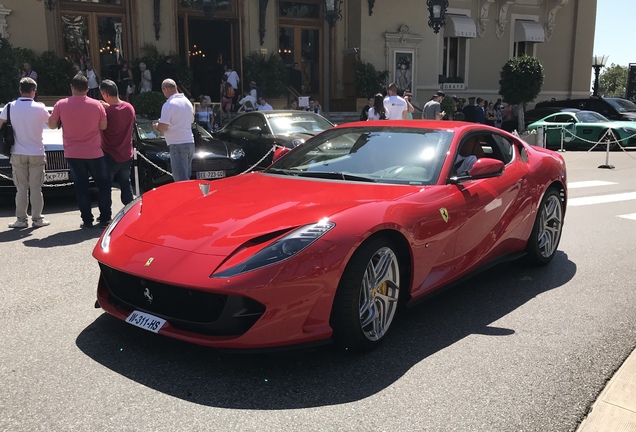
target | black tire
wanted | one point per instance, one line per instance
(546, 233)
(365, 305)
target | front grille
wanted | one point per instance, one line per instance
(185, 308)
(213, 165)
(55, 161)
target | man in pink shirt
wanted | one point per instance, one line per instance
(82, 120)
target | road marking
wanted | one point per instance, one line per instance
(601, 199)
(628, 216)
(590, 183)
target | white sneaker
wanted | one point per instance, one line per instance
(41, 223)
(19, 224)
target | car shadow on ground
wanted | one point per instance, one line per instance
(322, 376)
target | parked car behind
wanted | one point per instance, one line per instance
(612, 108)
(584, 129)
(57, 174)
(258, 131)
(212, 159)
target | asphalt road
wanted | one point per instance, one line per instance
(515, 349)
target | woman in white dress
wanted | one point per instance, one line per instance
(146, 78)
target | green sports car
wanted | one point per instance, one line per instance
(584, 129)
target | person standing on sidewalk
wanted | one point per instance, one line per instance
(177, 116)
(395, 106)
(83, 119)
(117, 138)
(28, 156)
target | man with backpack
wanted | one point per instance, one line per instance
(232, 78)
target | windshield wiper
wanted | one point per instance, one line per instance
(280, 171)
(335, 176)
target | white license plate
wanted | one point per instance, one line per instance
(55, 176)
(145, 321)
(202, 175)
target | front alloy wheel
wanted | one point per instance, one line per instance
(367, 296)
(548, 226)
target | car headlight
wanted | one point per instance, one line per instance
(105, 243)
(297, 142)
(164, 156)
(281, 249)
(630, 130)
(237, 154)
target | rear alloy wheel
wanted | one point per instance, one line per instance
(367, 296)
(546, 233)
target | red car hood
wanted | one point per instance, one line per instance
(238, 209)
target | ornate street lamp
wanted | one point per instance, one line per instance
(332, 11)
(437, 12)
(598, 62)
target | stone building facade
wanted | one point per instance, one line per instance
(464, 58)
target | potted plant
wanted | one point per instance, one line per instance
(369, 81)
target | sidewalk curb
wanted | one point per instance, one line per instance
(615, 408)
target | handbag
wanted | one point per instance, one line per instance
(8, 139)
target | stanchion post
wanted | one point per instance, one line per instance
(136, 170)
(540, 137)
(607, 149)
(562, 133)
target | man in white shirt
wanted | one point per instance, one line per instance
(263, 105)
(395, 106)
(27, 155)
(177, 116)
(93, 81)
(232, 77)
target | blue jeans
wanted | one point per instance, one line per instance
(120, 172)
(181, 160)
(81, 170)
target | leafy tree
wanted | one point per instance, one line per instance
(369, 81)
(148, 104)
(613, 81)
(10, 73)
(54, 74)
(520, 83)
(270, 73)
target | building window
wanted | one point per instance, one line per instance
(524, 48)
(454, 63)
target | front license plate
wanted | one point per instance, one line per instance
(55, 176)
(202, 175)
(145, 321)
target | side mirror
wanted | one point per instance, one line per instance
(256, 130)
(280, 152)
(483, 168)
(486, 167)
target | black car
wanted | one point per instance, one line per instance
(612, 108)
(212, 159)
(57, 174)
(258, 132)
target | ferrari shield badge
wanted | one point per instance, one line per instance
(444, 214)
(150, 260)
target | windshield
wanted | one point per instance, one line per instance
(286, 123)
(622, 105)
(144, 127)
(590, 117)
(395, 155)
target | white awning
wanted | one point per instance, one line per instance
(460, 26)
(529, 31)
